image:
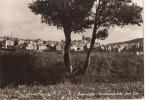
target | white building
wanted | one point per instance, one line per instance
(8, 43)
(77, 48)
(73, 48)
(139, 53)
(41, 47)
(21, 41)
(88, 45)
(31, 46)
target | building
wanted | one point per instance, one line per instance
(73, 48)
(1, 38)
(31, 46)
(59, 47)
(77, 47)
(41, 47)
(139, 53)
(39, 41)
(21, 41)
(8, 44)
(88, 45)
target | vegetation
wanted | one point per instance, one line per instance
(38, 75)
(48, 68)
(129, 90)
(27, 67)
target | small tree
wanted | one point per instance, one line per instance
(110, 13)
(71, 15)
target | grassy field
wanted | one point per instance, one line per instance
(128, 90)
(36, 75)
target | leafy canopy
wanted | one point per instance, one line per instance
(73, 14)
(117, 12)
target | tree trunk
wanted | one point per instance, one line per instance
(87, 62)
(67, 47)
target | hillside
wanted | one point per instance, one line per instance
(138, 40)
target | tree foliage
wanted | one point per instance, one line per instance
(61, 13)
(117, 12)
(102, 34)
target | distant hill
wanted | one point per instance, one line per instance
(138, 40)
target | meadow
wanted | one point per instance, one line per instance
(24, 74)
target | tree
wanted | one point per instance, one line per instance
(108, 14)
(71, 15)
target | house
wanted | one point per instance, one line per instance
(31, 46)
(139, 53)
(8, 44)
(21, 41)
(119, 48)
(41, 47)
(107, 48)
(29, 41)
(102, 47)
(1, 38)
(88, 45)
(39, 41)
(77, 47)
(59, 46)
(97, 46)
(51, 44)
(80, 47)
(73, 48)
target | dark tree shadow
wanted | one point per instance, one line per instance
(29, 69)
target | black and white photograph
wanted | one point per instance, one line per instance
(71, 49)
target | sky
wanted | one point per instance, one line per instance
(17, 19)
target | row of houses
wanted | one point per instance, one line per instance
(123, 47)
(40, 45)
(76, 45)
(28, 44)
(136, 48)
(9, 43)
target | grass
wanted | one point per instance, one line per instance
(32, 67)
(128, 90)
(35, 75)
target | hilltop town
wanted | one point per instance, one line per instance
(9, 43)
(135, 45)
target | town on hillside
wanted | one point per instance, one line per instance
(9, 43)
